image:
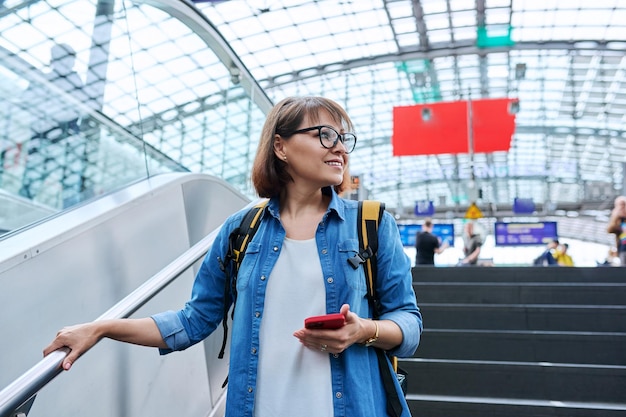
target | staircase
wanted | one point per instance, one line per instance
(527, 341)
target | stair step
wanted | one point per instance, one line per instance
(518, 274)
(548, 317)
(520, 380)
(521, 293)
(524, 346)
(450, 406)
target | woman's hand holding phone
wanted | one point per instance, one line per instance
(326, 321)
(331, 333)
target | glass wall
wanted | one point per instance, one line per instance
(97, 95)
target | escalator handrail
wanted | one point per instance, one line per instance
(28, 384)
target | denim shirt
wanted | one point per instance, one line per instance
(356, 381)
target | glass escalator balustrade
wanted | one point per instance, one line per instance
(93, 98)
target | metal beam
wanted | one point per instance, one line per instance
(439, 50)
(186, 12)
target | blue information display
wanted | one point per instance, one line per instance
(443, 231)
(424, 208)
(520, 234)
(523, 205)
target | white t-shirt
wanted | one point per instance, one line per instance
(292, 379)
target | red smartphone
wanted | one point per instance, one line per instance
(327, 321)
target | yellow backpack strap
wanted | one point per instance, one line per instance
(237, 243)
(245, 232)
(369, 217)
(370, 214)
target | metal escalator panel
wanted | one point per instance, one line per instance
(73, 267)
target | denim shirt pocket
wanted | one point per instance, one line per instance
(248, 265)
(355, 278)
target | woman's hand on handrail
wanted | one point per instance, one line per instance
(82, 337)
(79, 339)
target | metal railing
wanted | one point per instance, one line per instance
(17, 397)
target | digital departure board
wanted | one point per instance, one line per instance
(521, 234)
(444, 231)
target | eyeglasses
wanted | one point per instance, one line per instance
(329, 137)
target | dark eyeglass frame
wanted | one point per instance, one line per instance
(339, 137)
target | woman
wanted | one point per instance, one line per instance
(295, 267)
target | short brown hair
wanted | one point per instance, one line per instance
(269, 175)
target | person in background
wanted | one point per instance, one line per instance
(561, 256)
(612, 258)
(617, 226)
(472, 243)
(296, 266)
(547, 257)
(427, 244)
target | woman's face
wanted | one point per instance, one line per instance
(308, 162)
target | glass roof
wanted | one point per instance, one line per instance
(194, 83)
(564, 60)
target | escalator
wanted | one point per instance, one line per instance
(160, 94)
(76, 265)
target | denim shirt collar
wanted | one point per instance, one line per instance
(336, 206)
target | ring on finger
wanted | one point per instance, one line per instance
(323, 349)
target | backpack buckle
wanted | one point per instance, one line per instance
(360, 258)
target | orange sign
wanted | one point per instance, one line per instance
(473, 212)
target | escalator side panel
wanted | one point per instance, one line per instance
(77, 275)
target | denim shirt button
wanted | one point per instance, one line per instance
(335, 355)
(275, 249)
(254, 351)
(324, 251)
(262, 277)
(257, 314)
(329, 280)
(338, 394)
(249, 389)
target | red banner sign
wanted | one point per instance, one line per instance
(443, 128)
